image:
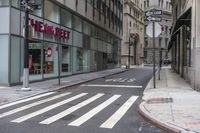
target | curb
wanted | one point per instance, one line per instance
(164, 126)
(64, 86)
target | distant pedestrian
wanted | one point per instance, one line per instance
(160, 64)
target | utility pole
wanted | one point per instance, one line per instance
(26, 49)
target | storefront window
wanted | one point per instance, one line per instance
(66, 18)
(51, 11)
(66, 60)
(35, 60)
(50, 61)
(77, 60)
(86, 60)
(93, 61)
(77, 39)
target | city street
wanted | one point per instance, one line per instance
(106, 105)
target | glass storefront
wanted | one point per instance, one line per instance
(56, 36)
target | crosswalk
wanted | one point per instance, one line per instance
(44, 103)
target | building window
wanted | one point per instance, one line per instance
(50, 60)
(66, 18)
(167, 5)
(147, 3)
(159, 3)
(77, 23)
(51, 11)
(146, 42)
(66, 60)
(166, 30)
(144, 4)
(166, 42)
(160, 42)
(4, 2)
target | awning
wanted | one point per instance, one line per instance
(184, 19)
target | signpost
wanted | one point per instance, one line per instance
(153, 30)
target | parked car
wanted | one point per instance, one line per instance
(166, 61)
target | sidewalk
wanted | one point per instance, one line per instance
(9, 94)
(173, 106)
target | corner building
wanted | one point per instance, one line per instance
(78, 36)
(133, 25)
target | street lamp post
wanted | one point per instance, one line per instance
(26, 49)
(129, 51)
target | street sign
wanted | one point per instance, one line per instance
(149, 29)
(153, 12)
(156, 19)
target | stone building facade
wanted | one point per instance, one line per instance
(185, 41)
(133, 32)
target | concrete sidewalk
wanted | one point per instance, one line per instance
(173, 106)
(9, 94)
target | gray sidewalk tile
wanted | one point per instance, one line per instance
(180, 115)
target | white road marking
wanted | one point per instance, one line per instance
(94, 111)
(123, 80)
(70, 110)
(32, 105)
(117, 86)
(110, 123)
(25, 100)
(41, 111)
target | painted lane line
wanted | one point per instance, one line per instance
(118, 86)
(94, 111)
(70, 110)
(32, 105)
(48, 108)
(26, 100)
(110, 123)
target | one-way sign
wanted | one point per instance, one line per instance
(156, 19)
(153, 12)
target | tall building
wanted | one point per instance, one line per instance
(76, 36)
(185, 41)
(161, 42)
(133, 33)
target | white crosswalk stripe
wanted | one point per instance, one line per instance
(110, 123)
(26, 100)
(70, 110)
(32, 105)
(48, 108)
(94, 111)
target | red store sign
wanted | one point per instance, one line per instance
(49, 29)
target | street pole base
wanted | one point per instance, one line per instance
(26, 89)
